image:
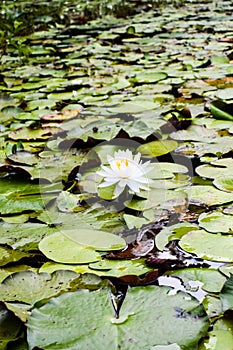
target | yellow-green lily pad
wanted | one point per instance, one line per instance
(216, 222)
(209, 246)
(95, 239)
(60, 248)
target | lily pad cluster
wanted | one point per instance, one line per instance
(153, 267)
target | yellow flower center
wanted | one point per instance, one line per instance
(122, 161)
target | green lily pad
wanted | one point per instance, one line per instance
(16, 219)
(24, 157)
(118, 268)
(209, 246)
(158, 197)
(134, 221)
(9, 327)
(219, 60)
(13, 204)
(157, 148)
(226, 269)
(24, 236)
(9, 255)
(195, 133)
(224, 183)
(216, 169)
(149, 77)
(208, 195)
(50, 267)
(226, 295)
(221, 337)
(225, 94)
(60, 248)
(169, 233)
(69, 202)
(96, 239)
(210, 280)
(221, 110)
(134, 107)
(218, 340)
(179, 319)
(212, 305)
(29, 287)
(216, 222)
(9, 270)
(33, 134)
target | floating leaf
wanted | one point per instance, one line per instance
(9, 270)
(221, 337)
(216, 169)
(68, 202)
(149, 77)
(60, 248)
(50, 267)
(9, 255)
(208, 195)
(226, 294)
(29, 287)
(216, 222)
(209, 246)
(96, 239)
(33, 134)
(221, 110)
(210, 280)
(9, 327)
(134, 107)
(195, 133)
(118, 268)
(174, 319)
(169, 233)
(224, 183)
(24, 236)
(157, 148)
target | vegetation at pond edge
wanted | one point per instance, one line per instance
(116, 185)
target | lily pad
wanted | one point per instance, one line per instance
(169, 233)
(24, 236)
(221, 337)
(216, 169)
(221, 110)
(134, 108)
(157, 148)
(149, 77)
(118, 268)
(195, 133)
(60, 248)
(9, 255)
(218, 340)
(226, 294)
(175, 319)
(210, 280)
(29, 287)
(208, 195)
(216, 222)
(96, 239)
(9, 327)
(224, 183)
(209, 246)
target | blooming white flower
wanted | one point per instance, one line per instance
(125, 170)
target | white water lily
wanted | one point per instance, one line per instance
(125, 170)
